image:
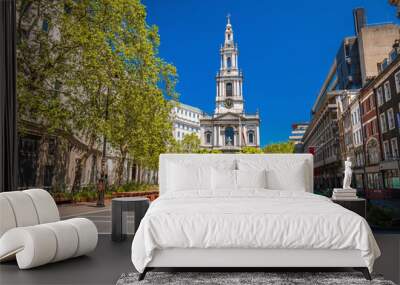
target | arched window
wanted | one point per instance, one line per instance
(228, 89)
(208, 137)
(250, 136)
(228, 62)
(229, 136)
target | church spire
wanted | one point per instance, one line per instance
(228, 32)
(229, 78)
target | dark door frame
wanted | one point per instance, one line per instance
(8, 98)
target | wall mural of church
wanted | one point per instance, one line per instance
(229, 128)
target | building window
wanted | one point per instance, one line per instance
(374, 127)
(395, 148)
(390, 116)
(374, 181)
(228, 89)
(229, 136)
(208, 137)
(380, 96)
(386, 88)
(382, 118)
(397, 81)
(373, 152)
(251, 137)
(229, 62)
(392, 178)
(386, 150)
(371, 99)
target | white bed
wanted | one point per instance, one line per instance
(214, 212)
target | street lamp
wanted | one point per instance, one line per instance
(101, 186)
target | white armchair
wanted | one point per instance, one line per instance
(31, 230)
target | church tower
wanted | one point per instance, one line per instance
(229, 79)
(229, 128)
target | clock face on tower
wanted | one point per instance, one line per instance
(228, 103)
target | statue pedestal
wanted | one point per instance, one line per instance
(341, 194)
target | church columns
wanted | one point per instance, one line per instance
(258, 135)
(244, 135)
(237, 136)
(218, 136)
(215, 135)
(236, 60)
(240, 134)
(222, 135)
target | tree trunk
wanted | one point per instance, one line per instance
(42, 161)
(128, 171)
(79, 167)
(140, 173)
(61, 165)
(120, 168)
(93, 171)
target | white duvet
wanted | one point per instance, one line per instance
(250, 219)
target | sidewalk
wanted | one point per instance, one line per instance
(82, 208)
(100, 216)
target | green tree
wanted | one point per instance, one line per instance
(43, 59)
(282, 147)
(251, 149)
(77, 59)
(191, 143)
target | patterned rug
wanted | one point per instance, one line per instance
(243, 278)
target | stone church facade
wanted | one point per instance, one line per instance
(229, 128)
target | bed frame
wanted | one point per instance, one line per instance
(242, 259)
(250, 259)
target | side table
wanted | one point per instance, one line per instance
(120, 207)
(357, 205)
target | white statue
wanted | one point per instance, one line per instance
(347, 174)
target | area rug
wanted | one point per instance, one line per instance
(243, 278)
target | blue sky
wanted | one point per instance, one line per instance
(285, 50)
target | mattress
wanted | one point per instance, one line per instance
(250, 219)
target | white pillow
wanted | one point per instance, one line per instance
(292, 178)
(181, 177)
(251, 178)
(223, 179)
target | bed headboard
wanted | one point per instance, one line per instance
(232, 159)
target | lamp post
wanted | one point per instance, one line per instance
(101, 186)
